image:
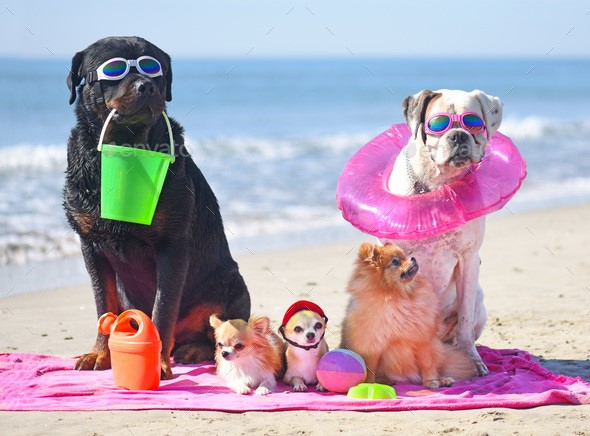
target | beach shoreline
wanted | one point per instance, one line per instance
(536, 278)
(70, 271)
(293, 147)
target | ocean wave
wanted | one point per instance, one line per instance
(547, 191)
(35, 158)
(251, 147)
(23, 247)
(29, 159)
(287, 220)
(268, 186)
(243, 221)
(37, 245)
(535, 128)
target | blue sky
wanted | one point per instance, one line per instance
(275, 28)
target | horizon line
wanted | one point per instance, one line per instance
(329, 57)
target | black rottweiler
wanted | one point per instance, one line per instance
(178, 269)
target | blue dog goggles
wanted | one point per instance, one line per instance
(117, 68)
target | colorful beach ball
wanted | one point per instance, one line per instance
(339, 370)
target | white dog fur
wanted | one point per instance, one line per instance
(451, 260)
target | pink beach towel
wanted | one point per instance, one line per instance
(44, 383)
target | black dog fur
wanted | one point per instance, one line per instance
(179, 269)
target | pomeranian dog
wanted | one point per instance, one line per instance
(249, 355)
(304, 327)
(393, 322)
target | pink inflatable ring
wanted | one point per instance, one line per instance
(365, 201)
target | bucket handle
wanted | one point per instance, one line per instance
(106, 123)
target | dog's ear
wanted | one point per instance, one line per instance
(168, 78)
(75, 76)
(368, 252)
(414, 108)
(215, 321)
(491, 108)
(261, 325)
(166, 62)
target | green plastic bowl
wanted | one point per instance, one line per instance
(131, 180)
(372, 391)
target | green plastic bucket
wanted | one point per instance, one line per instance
(131, 179)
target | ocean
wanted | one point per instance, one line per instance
(272, 135)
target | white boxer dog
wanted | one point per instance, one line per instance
(450, 130)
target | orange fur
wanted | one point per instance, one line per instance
(393, 322)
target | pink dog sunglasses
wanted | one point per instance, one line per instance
(441, 122)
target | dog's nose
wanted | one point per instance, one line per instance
(411, 271)
(224, 354)
(458, 137)
(144, 87)
(310, 335)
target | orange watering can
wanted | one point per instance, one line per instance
(135, 349)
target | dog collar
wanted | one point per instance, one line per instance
(419, 187)
(295, 344)
(297, 307)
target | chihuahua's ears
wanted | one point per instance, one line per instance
(260, 325)
(215, 321)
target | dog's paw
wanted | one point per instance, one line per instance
(446, 381)
(262, 390)
(432, 384)
(480, 368)
(194, 353)
(439, 382)
(244, 390)
(300, 387)
(166, 370)
(97, 361)
(320, 388)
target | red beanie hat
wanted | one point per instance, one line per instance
(300, 305)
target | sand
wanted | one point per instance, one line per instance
(536, 278)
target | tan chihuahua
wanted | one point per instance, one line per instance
(304, 327)
(249, 355)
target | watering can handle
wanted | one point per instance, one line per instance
(105, 323)
(106, 123)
